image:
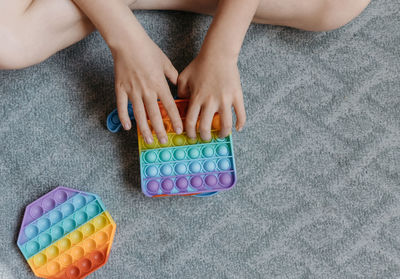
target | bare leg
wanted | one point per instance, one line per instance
(33, 30)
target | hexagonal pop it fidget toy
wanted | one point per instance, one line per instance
(66, 234)
(184, 166)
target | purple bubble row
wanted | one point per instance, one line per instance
(220, 180)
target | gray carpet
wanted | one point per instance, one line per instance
(318, 163)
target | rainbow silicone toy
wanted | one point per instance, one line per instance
(66, 234)
(184, 166)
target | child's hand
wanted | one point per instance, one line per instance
(140, 71)
(213, 84)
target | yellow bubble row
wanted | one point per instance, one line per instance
(176, 140)
(73, 246)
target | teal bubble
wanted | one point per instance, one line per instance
(222, 150)
(57, 232)
(165, 155)
(81, 217)
(179, 154)
(208, 151)
(44, 240)
(92, 210)
(32, 247)
(150, 156)
(69, 225)
(194, 153)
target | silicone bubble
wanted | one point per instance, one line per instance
(48, 204)
(39, 259)
(208, 151)
(166, 170)
(167, 184)
(150, 156)
(61, 196)
(165, 156)
(92, 210)
(57, 232)
(55, 216)
(67, 209)
(194, 153)
(196, 181)
(152, 186)
(224, 164)
(44, 240)
(182, 183)
(222, 150)
(226, 179)
(69, 225)
(195, 167)
(85, 265)
(178, 140)
(209, 166)
(36, 211)
(211, 180)
(81, 217)
(151, 171)
(79, 201)
(180, 168)
(31, 231)
(65, 259)
(179, 154)
(43, 224)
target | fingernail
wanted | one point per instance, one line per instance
(149, 139)
(127, 125)
(179, 130)
(163, 140)
(239, 129)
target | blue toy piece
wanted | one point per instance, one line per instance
(113, 123)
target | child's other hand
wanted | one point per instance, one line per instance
(140, 70)
(213, 84)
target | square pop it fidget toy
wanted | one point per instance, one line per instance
(184, 166)
(66, 234)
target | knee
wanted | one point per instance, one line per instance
(333, 14)
(12, 51)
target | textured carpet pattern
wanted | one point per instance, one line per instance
(318, 194)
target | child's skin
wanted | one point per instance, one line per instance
(32, 30)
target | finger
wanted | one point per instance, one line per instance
(226, 121)
(206, 117)
(183, 89)
(122, 108)
(154, 114)
(141, 119)
(240, 112)
(171, 73)
(173, 113)
(191, 118)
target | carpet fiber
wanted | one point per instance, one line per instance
(318, 192)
